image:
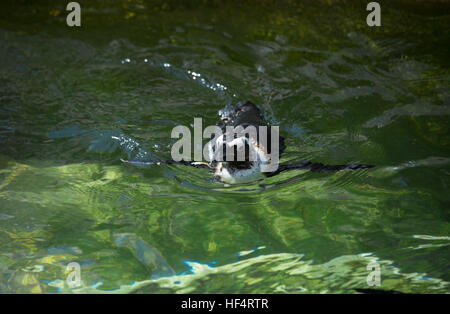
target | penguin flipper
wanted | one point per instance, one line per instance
(318, 167)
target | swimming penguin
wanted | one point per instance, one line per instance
(256, 153)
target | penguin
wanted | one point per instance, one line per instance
(255, 153)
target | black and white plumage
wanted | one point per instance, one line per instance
(235, 171)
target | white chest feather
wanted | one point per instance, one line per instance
(238, 176)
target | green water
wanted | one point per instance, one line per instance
(73, 101)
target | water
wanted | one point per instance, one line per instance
(75, 101)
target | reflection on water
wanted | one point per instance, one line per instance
(72, 104)
(281, 273)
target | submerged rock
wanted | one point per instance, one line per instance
(146, 254)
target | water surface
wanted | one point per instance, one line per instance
(73, 101)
